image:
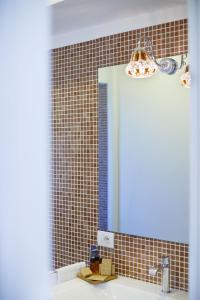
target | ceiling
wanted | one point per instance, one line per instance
(73, 15)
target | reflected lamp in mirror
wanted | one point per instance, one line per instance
(186, 78)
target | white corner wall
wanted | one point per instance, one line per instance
(24, 150)
(194, 34)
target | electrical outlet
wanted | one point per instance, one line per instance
(105, 239)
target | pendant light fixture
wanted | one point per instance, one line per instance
(141, 64)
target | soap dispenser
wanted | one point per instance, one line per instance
(94, 259)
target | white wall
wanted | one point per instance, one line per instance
(194, 33)
(24, 150)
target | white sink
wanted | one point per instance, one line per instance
(119, 289)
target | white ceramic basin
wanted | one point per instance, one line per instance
(119, 289)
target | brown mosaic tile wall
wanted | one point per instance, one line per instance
(75, 154)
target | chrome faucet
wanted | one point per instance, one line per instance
(165, 268)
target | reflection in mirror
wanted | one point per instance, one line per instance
(143, 154)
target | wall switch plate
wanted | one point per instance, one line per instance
(105, 239)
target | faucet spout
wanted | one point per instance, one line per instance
(165, 266)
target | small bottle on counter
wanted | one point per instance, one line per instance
(95, 259)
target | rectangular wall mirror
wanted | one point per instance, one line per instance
(143, 154)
